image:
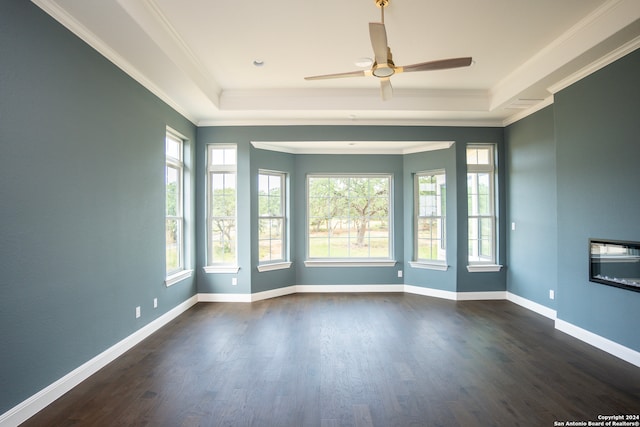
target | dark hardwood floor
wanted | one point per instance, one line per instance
(353, 360)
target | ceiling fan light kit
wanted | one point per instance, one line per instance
(383, 66)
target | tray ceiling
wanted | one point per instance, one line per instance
(198, 55)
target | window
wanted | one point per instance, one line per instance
(174, 223)
(221, 206)
(272, 220)
(481, 203)
(349, 217)
(430, 202)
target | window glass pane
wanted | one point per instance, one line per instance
(486, 228)
(481, 200)
(429, 244)
(472, 156)
(483, 156)
(221, 204)
(222, 156)
(270, 240)
(263, 205)
(339, 247)
(271, 206)
(277, 228)
(479, 156)
(216, 156)
(484, 183)
(360, 251)
(473, 250)
(353, 211)
(484, 205)
(173, 147)
(472, 193)
(172, 191)
(173, 255)
(223, 181)
(318, 247)
(379, 247)
(223, 194)
(485, 249)
(223, 241)
(473, 228)
(174, 222)
(275, 205)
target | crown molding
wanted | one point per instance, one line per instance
(348, 122)
(529, 111)
(352, 147)
(596, 27)
(148, 15)
(353, 99)
(611, 57)
(53, 9)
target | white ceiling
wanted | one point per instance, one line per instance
(197, 55)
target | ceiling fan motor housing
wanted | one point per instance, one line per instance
(387, 69)
(383, 70)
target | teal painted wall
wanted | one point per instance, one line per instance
(420, 162)
(82, 203)
(531, 202)
(485, 281)
(401, 166)
(598, 146)
(573, 175)
(314, 164)
(280, 162)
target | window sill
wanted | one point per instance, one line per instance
(274, 266)
(483, 268)
(177, 277)
(221, 269)
(350, 263)
(429, 266)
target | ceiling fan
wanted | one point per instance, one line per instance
(383, 66)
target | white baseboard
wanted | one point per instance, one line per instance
(274, 293)
(455, 296)
(604, 344)
(533, 306)
(348, 288)
(28, 408)
(224, 297)
(481, 296)
(430, 292)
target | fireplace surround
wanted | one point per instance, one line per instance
(615, 263)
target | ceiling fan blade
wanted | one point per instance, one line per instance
(378, 36)
(359, 73)
(385, 89)
(441, 64)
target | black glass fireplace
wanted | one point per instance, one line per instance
(615, 263)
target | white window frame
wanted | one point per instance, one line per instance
(489, 264)
(351, 261)
(439, 263)
(177, 163)
(226, 168)
(282, 261)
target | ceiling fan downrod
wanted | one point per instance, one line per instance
(382, 4)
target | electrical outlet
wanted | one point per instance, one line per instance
(234, 281)
(399, 273)
(138, 312)
(513, 226)
(552, 294)
(155, 303)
